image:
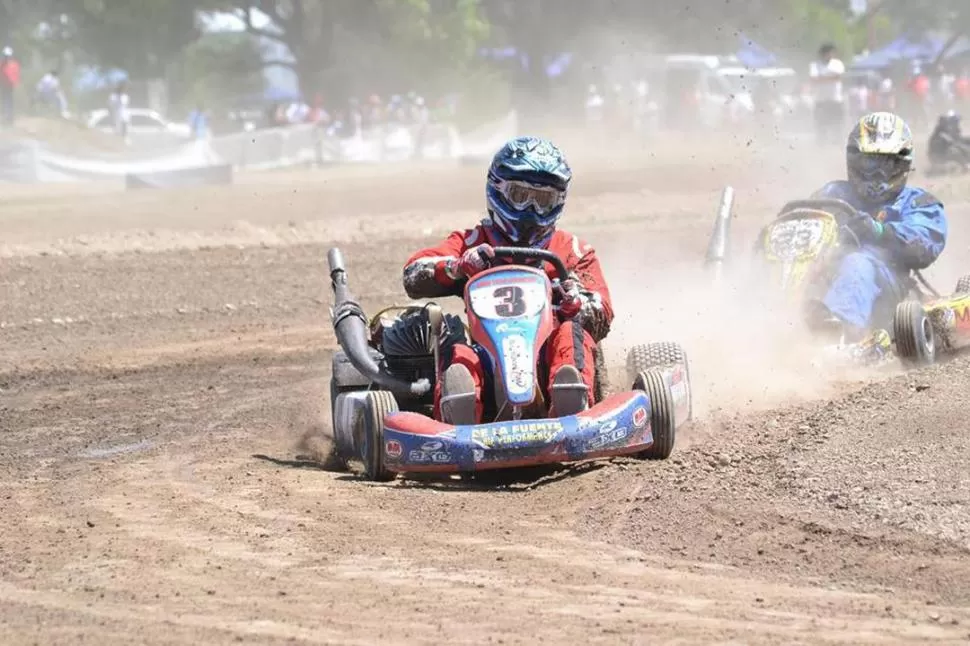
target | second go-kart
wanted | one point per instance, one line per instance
(385, 372)
(796, 255)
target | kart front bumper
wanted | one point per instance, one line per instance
(619, 425)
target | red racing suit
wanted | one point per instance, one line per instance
(571, 343)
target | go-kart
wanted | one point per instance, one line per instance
(383, 380)
(796, 256)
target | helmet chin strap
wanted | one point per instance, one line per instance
(496, 237)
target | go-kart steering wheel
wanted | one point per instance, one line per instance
(518, 254)
(842, 211)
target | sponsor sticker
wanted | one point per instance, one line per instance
(608, 436)
(432, 445)
(425, 457)
(516, 433)
(393, 449)
(640, 417)
(518, 363)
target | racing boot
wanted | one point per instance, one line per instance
(569, 395)
(457, 401)
(876, 347)
(861, 349)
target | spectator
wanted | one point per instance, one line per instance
(594, 106)
(961, 88)
(421, 118)
(9, 80)
(199, 122)
(919, 89)
(827, 74)
(318, 113)
(887, 94)
(50, 94)
(859, 94)
(374, 113)
(296, 112)
(118, 104)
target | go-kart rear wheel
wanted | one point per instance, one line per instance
(336, 458)
(377, 405)
(643, 357)
(963, 285)
(914, 335)
(662, 420)
(601, 378)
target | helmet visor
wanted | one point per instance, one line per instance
(521, 195)
(875, 167)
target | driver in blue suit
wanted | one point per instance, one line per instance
(900, 229)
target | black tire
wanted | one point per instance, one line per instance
(963, 285)
(914, 335)
(662, 422)
(378, 405)
(601, 377)
(643, 357)
(335, 459)
(664, 354)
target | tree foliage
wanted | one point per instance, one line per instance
(141, 36)
(218, 69)
(333, 43)
(341, 47)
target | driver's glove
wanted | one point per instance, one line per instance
(474, 260)
(866, 228)
(570, 299)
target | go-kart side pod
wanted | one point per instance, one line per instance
(619, 425)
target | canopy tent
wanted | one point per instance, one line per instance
(555, 66)
(752, 55)
(921, 49)
(91, 79)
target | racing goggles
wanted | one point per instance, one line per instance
(878, 167)
(520, 195)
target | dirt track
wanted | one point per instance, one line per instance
(163, 360)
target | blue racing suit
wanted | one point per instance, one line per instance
(915, 232)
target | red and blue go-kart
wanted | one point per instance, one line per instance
(384, 375)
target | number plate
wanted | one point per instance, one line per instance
(796, 239)
(521, 298)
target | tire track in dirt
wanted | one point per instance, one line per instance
(153, 492)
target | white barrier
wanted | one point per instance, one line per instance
(308, 144)
(29, 161)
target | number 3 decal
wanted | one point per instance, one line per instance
(513, 301)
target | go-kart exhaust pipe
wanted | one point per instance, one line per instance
(350, 327)
(717, 248)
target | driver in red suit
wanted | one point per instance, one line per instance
(525, 194)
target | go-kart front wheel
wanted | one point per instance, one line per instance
(377, 405)
(643, 357)
(662, 354)
(914, 335)
(662, 418)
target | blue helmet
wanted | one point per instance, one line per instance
(526, 191)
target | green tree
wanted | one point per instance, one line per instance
(218, 70)
(141, 36)
(333, 43)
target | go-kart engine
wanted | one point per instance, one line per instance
(406, 343)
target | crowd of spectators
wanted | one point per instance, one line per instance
(350, 118)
